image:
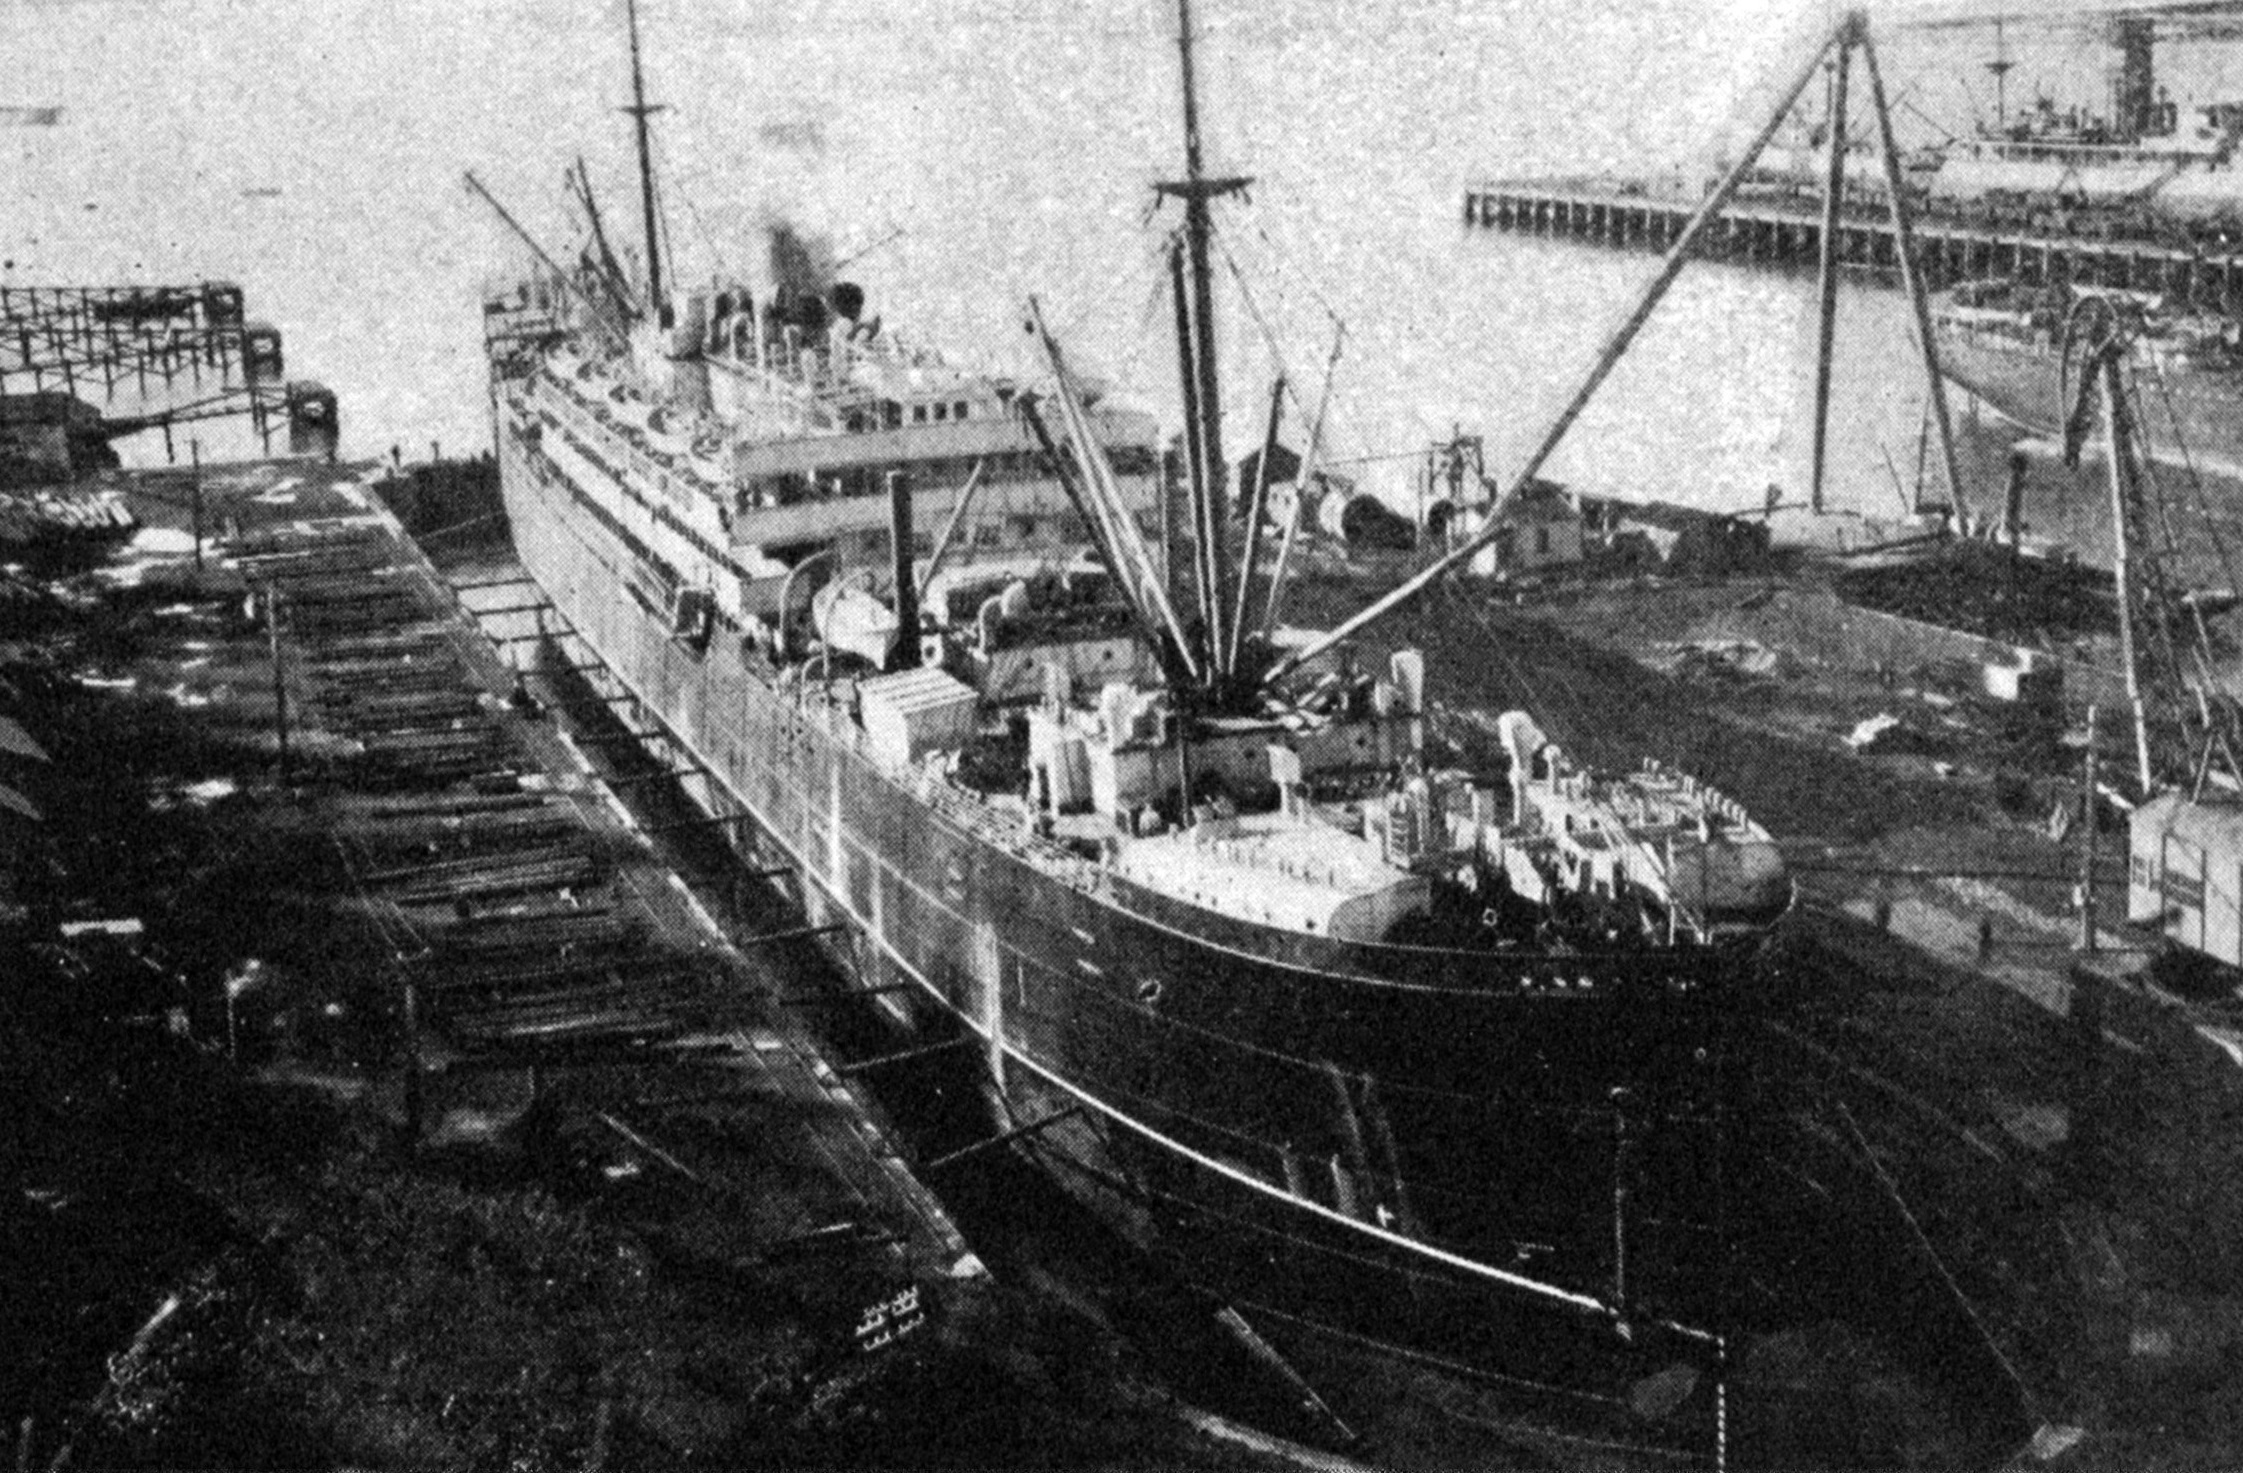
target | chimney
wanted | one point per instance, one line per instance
(906, 656)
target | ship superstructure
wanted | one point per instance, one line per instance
(731, 496)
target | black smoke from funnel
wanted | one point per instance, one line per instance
(801, 274)
(799, 263)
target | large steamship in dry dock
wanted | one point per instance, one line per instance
(1269, 976)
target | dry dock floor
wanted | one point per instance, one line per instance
(2067, 1134)
(432, 1119)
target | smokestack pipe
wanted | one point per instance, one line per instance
(2013, 503)
(906, 655)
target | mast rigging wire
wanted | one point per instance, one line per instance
(693, 210)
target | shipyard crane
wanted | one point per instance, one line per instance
(1850, 36)
(2183, 837)
(2186, 685)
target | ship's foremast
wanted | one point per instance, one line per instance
(1197, 370)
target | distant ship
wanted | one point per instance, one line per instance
(2063, 170)
(2138, 164)
(2018, 348)
(1261, 971)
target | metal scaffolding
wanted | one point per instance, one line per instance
(148, 357)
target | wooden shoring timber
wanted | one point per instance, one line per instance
(425, 873)
(567, 991)
(905, 1056)
(500, 934)
(553, 968)
(1005, 1138)
(574, 872)
(610, 1026)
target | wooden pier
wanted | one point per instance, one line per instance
(1787, 231)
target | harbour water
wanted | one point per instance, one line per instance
(974, 154)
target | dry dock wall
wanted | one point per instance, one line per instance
(1816, 625)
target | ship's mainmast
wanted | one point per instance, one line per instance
(640, 111)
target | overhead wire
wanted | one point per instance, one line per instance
(708, 239)
(1284, 269)
(1143, 329)
(1529, 686)
(1303, 411)
(1278, 252)
(1075, 305)
(1261, 324)
(1151, 259)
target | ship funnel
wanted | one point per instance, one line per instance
(906, 654)
(1522, 740)
(1407, 669)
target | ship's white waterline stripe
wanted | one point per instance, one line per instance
(1583, 1303)
(1223, 1429)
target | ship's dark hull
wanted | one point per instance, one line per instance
(1364, 1141)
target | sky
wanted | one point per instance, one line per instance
(975, 150)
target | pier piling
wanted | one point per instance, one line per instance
(1785, 232)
